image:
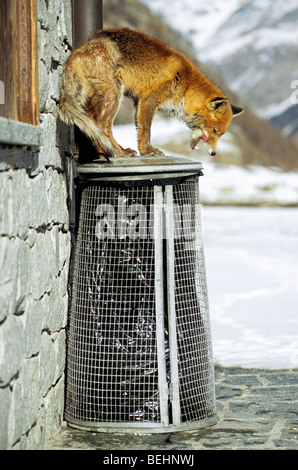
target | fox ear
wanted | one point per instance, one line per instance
(218, 105)
(236, 110)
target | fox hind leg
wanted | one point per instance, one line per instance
(102, 108)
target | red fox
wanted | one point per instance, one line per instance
(122, 61)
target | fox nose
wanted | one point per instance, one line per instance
(213, 153)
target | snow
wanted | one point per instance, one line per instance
(251, 263)
(251, 256)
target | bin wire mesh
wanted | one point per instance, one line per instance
(195, 361)
(123, 369)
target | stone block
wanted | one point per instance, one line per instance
(5, 203)
(21, 202)
(30, 382)
(65, 21)
(60, 351)
(54, 406)
(23, 278)
(33, 326)
(5, 402)
(44, 85)
(15, 276)
(57, 197)
(43, 264)
(9, 249)
(6, 278)
(35, 438)
(47, 364)
(52, 352)
(38, 202)
(54, 307)
(11, 338)
(42, 14)
(15, 417)
(14, 203)
(64, 243)
(49, 154)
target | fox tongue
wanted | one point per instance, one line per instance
(194, 143)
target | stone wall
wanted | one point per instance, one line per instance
(36, 219)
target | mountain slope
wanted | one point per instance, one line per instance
(253, 43)
(252, 139)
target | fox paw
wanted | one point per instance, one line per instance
(127, 153)
(152, 151)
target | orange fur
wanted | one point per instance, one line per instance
(122, 61)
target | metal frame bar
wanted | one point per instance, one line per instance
(139, 428)
(159, 296)
(174, 387)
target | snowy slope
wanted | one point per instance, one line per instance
(229, 184)
(196, 19)
(253, 43)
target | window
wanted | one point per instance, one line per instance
(19, 61)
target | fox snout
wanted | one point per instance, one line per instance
(210, 149)
(199, 135)
(212, 153)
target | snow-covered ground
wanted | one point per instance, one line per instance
(251, 257)
(252, 272)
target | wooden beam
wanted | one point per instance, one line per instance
(8, 57)
(27, 62)
(34, 55)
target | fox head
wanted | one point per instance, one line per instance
(212, 122)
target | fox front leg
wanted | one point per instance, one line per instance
(144, 116)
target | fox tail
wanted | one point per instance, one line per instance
(72, 111)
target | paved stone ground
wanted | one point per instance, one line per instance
(257, 410)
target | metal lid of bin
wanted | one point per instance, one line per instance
(142, 164)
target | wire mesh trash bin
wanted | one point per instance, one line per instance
(139, 355)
